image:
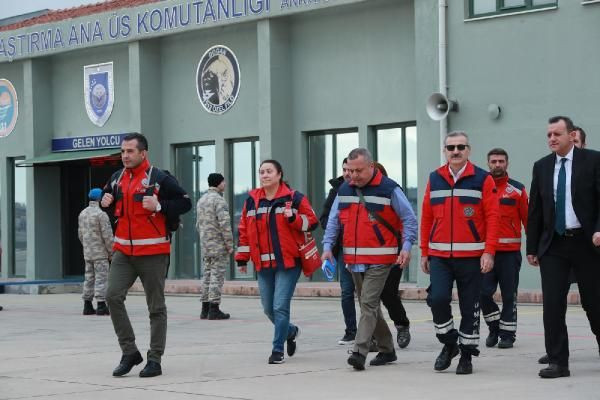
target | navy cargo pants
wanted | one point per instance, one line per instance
(467, 274)
(505, 273)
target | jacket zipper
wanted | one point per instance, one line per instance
(127, 208)
(452, 218)
(356, 232)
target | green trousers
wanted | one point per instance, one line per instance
(151, 270)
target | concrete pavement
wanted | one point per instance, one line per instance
(50, 351)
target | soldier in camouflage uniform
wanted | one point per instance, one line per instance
(216, 243)
(96, 236)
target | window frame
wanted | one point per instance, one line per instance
(502, 9)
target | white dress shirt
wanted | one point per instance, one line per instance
(570, 218)
(458, 175)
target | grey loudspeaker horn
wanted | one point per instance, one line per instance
(438, 106)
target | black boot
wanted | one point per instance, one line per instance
(88, 308)
(204, 312)
(151, 369)
(215, 313)
(102, 309)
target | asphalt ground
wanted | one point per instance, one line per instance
(48, 350)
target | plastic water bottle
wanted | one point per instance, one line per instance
(328, 269)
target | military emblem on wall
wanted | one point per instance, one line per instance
(9, 107)
(218, 79)
(98, 92)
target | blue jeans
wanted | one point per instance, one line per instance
(276, 286)
(348, 307)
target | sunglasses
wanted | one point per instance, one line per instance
(460, 147)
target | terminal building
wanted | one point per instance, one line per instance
(219, 85)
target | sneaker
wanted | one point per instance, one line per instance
(291, 343)
(492, 339)
(465, 367)
(383, 358)
(348, 338)
(443, 360)
(357, 360)
(505, 343)
(276, 358)
(403, 336)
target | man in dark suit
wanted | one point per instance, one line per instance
(562, 235)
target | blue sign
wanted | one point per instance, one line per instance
(9, 107)
(88, 142)
(99, 92)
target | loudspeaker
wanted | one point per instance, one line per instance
(438, 106)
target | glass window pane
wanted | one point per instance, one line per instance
(484, 6)
(389, 152)
(514, 3)
(345, 143)
(543, 3)
(20, 221)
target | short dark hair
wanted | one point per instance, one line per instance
(345, 161)
(568, 122)
(581, 133)
(497, 152)
(142, 142)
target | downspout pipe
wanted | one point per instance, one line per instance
(442, 68)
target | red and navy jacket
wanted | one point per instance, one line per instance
(459, 219)
(513, 212)
(365, 240)
(266, 236)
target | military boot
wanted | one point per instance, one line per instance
(102, 309)
(215, 313)
(204, 312)
(88, 308)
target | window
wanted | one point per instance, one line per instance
(396, 150)
(326, 151)
(479, 8)
(19, 222)
(245, 163)
(193, 163)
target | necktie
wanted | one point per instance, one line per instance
(560, 224)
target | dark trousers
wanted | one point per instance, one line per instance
(566, 254)
(347, 297)
(151, 270)
(391, 299)
(505, 273)
(467, 274)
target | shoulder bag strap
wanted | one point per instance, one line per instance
(380, 219)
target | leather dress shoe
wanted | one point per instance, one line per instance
(128, 361)
(443, 361)
(554, 371)
(544, 359)
(383, 358)
(151, 369)
(357, 360)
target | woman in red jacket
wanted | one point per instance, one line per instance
(273, 223)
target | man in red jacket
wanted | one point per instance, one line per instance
(145, 199)
(513, 202)
(459, 225)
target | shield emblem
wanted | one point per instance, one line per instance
(9, 107)
(98, 92)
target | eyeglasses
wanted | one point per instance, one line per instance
(460, 147)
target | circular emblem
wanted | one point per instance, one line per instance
(469, 211)
(509, 189)
(218, 79)
(99, 96)
(9, 107)
(145, 182)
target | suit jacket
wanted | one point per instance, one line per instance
(585, 197)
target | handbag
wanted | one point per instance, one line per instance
(309, 255)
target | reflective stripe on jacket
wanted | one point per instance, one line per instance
(365, 240)
(513, 212)
(459, 219)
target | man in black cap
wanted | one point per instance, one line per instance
(216, 244)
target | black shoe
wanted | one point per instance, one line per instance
(276, 358)
(465, 367)
(544, 359)
(443, 361)
(88, 308)
(554, 371)
(403, 336)
(492, 339)
(204, 312)
(102, 309)
(0, 308)
(348, 338)
(151, 369)
(383, 358)
(291, 343)
(505, 343)
(357, 360)
(373, 348)
(128, 362)
(215, 313)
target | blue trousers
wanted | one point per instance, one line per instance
(348, 306)
(276, 286)
(467, 274)
(505, 273)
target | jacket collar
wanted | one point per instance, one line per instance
(503, 180)
(140, 169)
(282, 191)
(444, 171)
(375, 180)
